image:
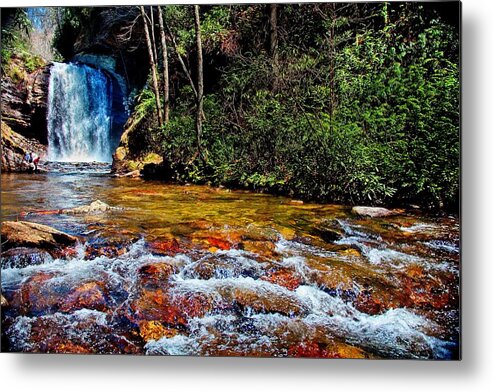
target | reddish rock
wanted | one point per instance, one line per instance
(90, 295)
(155, 274)
(200, 224)
(110, 249)
(36, 295)
(366, 303)
(48, 334)
(262, 248)
(165, 247)
(173, 310)
(334, 349)
(66, 253)
(311, 350)
(283, 277)
(219, 243)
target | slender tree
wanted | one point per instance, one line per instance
(152, 32)
(152, 63)
(274, 43)
(165, 65)
(180, 59)
(200, 81)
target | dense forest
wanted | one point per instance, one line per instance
(336, 102)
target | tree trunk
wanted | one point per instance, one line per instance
(274, 43)
(165, 65)
(152, 63)
(332, 53)
(200, 82)
(180, 60)
(153, 34)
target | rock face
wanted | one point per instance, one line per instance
(100, 37)
(14, 148)
(24, 104)
(131, 154)
(373, 212)
(33, 235)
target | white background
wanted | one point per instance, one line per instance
(473, 373)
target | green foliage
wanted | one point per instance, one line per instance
(17, 60)
(145, 104)
(367, 115)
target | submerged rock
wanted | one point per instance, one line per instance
(262, 299)
(373, 212)
(33, 235)
(4, 303)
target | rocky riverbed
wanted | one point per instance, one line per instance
(194, 270)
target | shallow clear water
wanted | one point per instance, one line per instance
(195, 270)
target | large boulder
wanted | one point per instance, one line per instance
(33, 235)
(14, 148)
(132, 153)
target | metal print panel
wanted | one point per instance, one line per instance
(268, 180)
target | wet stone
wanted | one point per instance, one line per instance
(33, 235)
(22, 257)
(90, 295)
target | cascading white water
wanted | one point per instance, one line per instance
(79, 114)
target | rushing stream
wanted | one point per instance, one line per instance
(195, 270)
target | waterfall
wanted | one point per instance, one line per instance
(79, 114)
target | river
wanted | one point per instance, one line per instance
(197, 270)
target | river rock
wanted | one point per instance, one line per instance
(34, 235)
(155, 274)
(37, 295)
(283, 277)
(90, 295)
(154, 330)
(263, 299)
(171, 309)
(373, 212)
(95, 207)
